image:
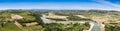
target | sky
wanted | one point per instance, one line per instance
(60, 4)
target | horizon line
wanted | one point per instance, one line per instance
(62, 9)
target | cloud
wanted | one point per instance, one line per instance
(109, 3)
(117, 7)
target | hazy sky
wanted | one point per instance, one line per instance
(60, 4)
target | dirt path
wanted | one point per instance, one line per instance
(18, 24)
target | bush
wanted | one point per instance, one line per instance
(76, 18)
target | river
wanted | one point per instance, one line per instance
(96, 26)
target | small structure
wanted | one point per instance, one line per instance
(18, 24)
(16, 17)
(31, 24)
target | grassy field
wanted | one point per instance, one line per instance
(34, 28)
(9, 27)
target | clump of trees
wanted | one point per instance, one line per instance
(62, 14)
(76, 18)
(56, 19)
(112, 27)
(5, 16)
(2, 24)
(67, 27)
(27, 16)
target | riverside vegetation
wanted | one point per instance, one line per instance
(7, 23)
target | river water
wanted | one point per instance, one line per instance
(96, 26)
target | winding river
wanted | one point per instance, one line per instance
(96, 26)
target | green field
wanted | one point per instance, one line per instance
(9, 27)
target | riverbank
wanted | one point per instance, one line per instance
(94, 26)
